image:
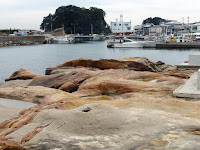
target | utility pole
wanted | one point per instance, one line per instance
(189, 24)
(91, 29)
(183, 20)
(74, 27)
(51, 28)
(51, 25)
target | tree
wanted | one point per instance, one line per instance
(81, 19)
(155, 20)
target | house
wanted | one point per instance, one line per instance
(172, 27)
(138, 30)
(146, 28)
(155, 30)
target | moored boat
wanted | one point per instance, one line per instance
(63, 39)
(126, 43)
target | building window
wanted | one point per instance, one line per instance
(129, 28)
(119, 24)
(194, 28)
(114, 24)
(126, 24)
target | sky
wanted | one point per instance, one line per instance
(28, 14)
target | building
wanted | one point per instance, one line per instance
(146, 28)
(155, 30)
(121, 27)
(138, 29)
(195, 27)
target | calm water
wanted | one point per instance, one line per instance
(37, 58)
(15, 103)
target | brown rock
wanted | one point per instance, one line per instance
(22, 74)
(137, 63)
(66, 82)
(172, 71)
(15, 83)
(144, 102)
(10, 145)
(35, 94)
(25, 117)
(124, 81)
(160, 63)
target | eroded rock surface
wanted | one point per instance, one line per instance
(136, 63)
(22, 74)
(106, 127)
(122, 81)
(15, 83)
(68, 82)
(35, 94)
(112, 105)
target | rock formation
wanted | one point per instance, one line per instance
(136, 63)
(22, 74)
(66, 82)
(102, 104)
(35, 94)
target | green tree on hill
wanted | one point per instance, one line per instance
(155, 20)
(81, 19)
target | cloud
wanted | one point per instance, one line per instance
(29, 13)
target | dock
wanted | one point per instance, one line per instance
(178, 45)
(195, 45)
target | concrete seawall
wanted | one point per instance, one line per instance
(22, 39)
(178, 45)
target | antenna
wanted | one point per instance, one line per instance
(121, 18)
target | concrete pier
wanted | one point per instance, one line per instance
(190, 88)
(193, 64)
(198, 80)
(178, 45)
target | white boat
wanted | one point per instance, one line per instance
(127, 43)
(139, 44)
(63, 39)
(96, 37)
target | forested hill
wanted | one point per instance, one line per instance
(80, 19)
(155, 20)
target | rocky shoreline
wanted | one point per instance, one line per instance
(22, 40)
(101, 104)
(20, 44)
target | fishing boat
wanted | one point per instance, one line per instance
(96, 37)
(63, 39)
(126, 43)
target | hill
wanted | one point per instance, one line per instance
(76, 20)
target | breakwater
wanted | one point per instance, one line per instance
(178, 45)
(21, 40)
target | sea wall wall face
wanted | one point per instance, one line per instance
(21, 39)
(194, 60)
(198, 80)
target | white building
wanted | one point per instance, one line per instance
(196, 27)
(155, 30)
(121, 27)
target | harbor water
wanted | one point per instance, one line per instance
(37, 58)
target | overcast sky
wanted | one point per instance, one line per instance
(28, 14)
